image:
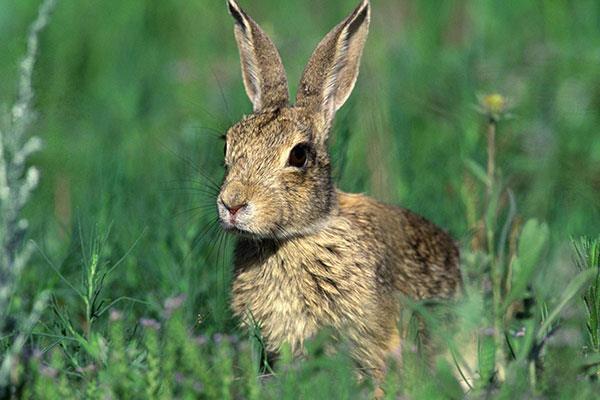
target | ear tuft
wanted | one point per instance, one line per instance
(236, 14)
(358, 20)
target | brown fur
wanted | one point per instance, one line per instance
(309, 255)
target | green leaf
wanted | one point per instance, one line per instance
(447, 382)
(526, 343)
(571, 291)
(486, 358)
(492, 213)
(591, 360)
(477, 171)
(532, 241)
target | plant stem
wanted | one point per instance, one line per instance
(495, 265)
(491, 153)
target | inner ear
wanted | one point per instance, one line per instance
(332, 70)
(262, 71)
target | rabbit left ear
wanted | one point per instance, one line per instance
(332, 70)
(262, 70)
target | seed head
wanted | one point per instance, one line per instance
(493, 105)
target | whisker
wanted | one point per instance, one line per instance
(227, 110)
(211, 252)
(203, 207)
(198, 239)
(208, 203)
(209, 183)
(192, 185)
(198, 185)
(221, 257)
(190, 163)
(198, 106)
(194, 190)
(215, 133)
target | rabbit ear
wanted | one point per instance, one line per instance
(332, 70)
(262, 70)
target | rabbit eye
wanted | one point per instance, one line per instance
(298, 155)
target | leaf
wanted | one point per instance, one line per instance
(447, 382)
(590, 361)
(571, 291)
(587, 257)
(491, 213)
(526, 343)
(512, 211)
(532, 241)
(486, 358)
(477, 171)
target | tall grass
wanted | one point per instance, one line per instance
(17, 181)
(132, 98)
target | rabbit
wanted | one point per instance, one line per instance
(308, 255)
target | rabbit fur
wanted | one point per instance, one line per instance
(308, 255)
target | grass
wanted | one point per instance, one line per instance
(131, 98)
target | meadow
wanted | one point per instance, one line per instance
(482, 116)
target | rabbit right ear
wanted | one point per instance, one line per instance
(331, 73)
(262, 70)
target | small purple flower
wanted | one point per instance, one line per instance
(218, 338)
(87, 368)
(201, 340)
(37, 354)
(489, 331)
(115, 315)
(198, 387)
(179, 378)
(48, 371)
(173, 303)
(150, 323)
(233, 339)
(520, 332)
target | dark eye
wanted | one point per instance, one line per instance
(298, 155)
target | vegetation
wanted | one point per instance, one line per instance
(482, 116)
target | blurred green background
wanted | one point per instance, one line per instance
(133, 95)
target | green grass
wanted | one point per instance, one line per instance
(131, 98)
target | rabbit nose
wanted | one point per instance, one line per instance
(233, 198)
(233, 204)
(234, 209)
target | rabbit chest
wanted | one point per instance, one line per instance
(292, 288)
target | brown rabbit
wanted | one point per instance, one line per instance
(309, 255)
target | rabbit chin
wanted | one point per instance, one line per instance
(251, 231)
(246, 223)
(273, 231)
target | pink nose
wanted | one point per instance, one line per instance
(234, 209)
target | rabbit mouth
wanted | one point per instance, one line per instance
(246, 221)
(235, 222)
(242, 230)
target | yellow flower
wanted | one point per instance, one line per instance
(493, 105)
(496, 103)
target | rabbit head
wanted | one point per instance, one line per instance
(278, 181)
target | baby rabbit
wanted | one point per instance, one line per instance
(309, 255)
